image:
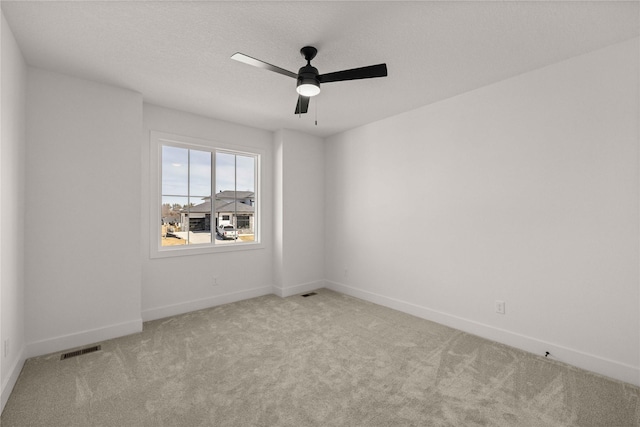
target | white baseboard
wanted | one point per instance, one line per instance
(10, 381)
(609, 368)
(65, 342)
(186, 307)
(298, 289)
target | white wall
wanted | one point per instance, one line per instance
(299, 213)
(181, 284)
(524, 191)
(12, 169)
(82, 231)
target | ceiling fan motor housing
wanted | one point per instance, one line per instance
(308, 75)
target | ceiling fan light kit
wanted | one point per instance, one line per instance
(308, 86)
(308, 89)
(308, 78)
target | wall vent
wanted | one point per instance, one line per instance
(80, 352)
(310, 294)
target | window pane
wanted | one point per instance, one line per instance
(225, 172)
(245, 197)
(235, 198)
(199, 224)
(244, 205)
(175, 169)
(245, 173)
(171, 223)
(200, 173)
(224, 200)
(225, 216)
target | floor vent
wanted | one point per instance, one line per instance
(80, 352)
(310, 294)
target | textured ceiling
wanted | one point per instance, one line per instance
(177, 54)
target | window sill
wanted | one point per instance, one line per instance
(176, 251)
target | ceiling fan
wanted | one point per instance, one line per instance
(308, 77)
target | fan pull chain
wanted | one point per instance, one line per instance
(316, 111)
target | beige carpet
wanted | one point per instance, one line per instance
(325, 360)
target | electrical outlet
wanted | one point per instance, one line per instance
(500, 307)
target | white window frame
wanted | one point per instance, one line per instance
(156, 141)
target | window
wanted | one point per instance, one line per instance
(192, 216)
(244, 222)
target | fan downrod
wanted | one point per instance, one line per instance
(308, 52)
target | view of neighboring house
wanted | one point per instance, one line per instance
(236, 208)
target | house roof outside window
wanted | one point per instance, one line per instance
(225, 201)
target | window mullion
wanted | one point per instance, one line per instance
(235, 192)
(214, 214)
(189, 196)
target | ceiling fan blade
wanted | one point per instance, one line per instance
(261, 64)
(302, 105)
(369, 72)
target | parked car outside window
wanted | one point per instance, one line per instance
(227, 232)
